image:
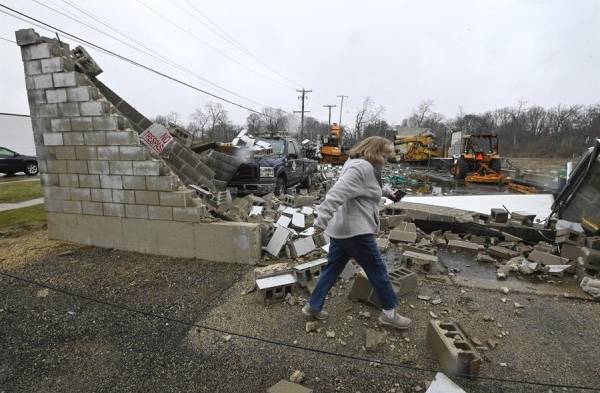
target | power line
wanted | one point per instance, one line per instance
(281, 343)
(207, 44)
(222, 33)
(126, 59)
(341, 97)
(7, 40)
(303, 98)
(155, 55)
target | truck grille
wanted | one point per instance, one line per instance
(246, 172)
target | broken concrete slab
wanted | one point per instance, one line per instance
(502, 252)
(421, 260)
(461, 245)
(374, 339)
(546, 258)
(443, 384)
(278, 240)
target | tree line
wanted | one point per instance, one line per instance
(523, 130)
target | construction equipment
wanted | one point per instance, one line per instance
(415, 148)
(332, 151)
(479, 160)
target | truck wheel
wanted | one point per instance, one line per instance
(461, 169)
(496, 165)
(31, 169)
(280, 186)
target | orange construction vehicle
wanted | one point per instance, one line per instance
(332, 151)
(479, 161)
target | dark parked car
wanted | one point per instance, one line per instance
(284, 167)
(12, 162)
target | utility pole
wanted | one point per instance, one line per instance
(341, 97)
(329, 107)
(302, 111)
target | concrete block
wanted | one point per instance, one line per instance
(146, 197)
(108, 152)
(176, 198)
(570, 251)
(593, 242)
(47, 110)
(111, 181)
(122, 138)
(401, 236)
(403, 281)
(452, 347)
(29, 83)
(73, 138)
(98, 167)
(60, 125)
(82, 94)
(160, 213)
(86, 153)
(107, 123)
(395, 220)
(590, 258)
(33, 67)
(61, 193)
(39, 51)
(94, 138)
(56, 96)
(41, 126)
(64, 152)
(56, 64)
(73, 207)
(502, 252)
(56, 166)
(49, 179)
(67, 180)
(193, 214)
(80, 194)
(101, 195)
(82, 124)
(136, 211)
(460, 245)
(53, 205)
(309, 271)
(77, 166)
(245, 239)
(546, 258)
(89, 181)
(277, 241)
(421, 260)
(26, 37)
(121, 168)
(161, 183)
(134, 182)
(68, 109)
(146, 168)
(113, 209)
(42, 81)
(93, 208)
(134, 153)
(94, 108)
(68, 79)
(302, 246)
(36, 97)
(124, 196)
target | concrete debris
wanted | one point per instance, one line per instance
(375, 339)
(311, 326)
(297, 376)
(302, 246)
(591, 286)
(443, 384)
(452, 347)
(274, 289)
(279, 239)
(284, 386)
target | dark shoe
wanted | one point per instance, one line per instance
(399, 322)
(310, 312)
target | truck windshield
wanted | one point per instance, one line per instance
(278, 145)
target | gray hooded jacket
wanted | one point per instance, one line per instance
(351, 207)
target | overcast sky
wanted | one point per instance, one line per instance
(476, 54)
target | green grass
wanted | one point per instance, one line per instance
(25, 217)
(20, 191)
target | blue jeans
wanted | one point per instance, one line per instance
(364, 250)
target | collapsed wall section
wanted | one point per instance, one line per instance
(101, 186)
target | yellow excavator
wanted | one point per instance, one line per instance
(415, 148)
(332, 152)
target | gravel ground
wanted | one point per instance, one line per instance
(51, 342)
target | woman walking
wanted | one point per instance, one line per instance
(350, 217)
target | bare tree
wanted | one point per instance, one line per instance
(217, 118)
(367, 114)
(275, 120)
(255, 123)
(171, 117)
(199, 121)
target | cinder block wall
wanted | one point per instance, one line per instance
(101, 186)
